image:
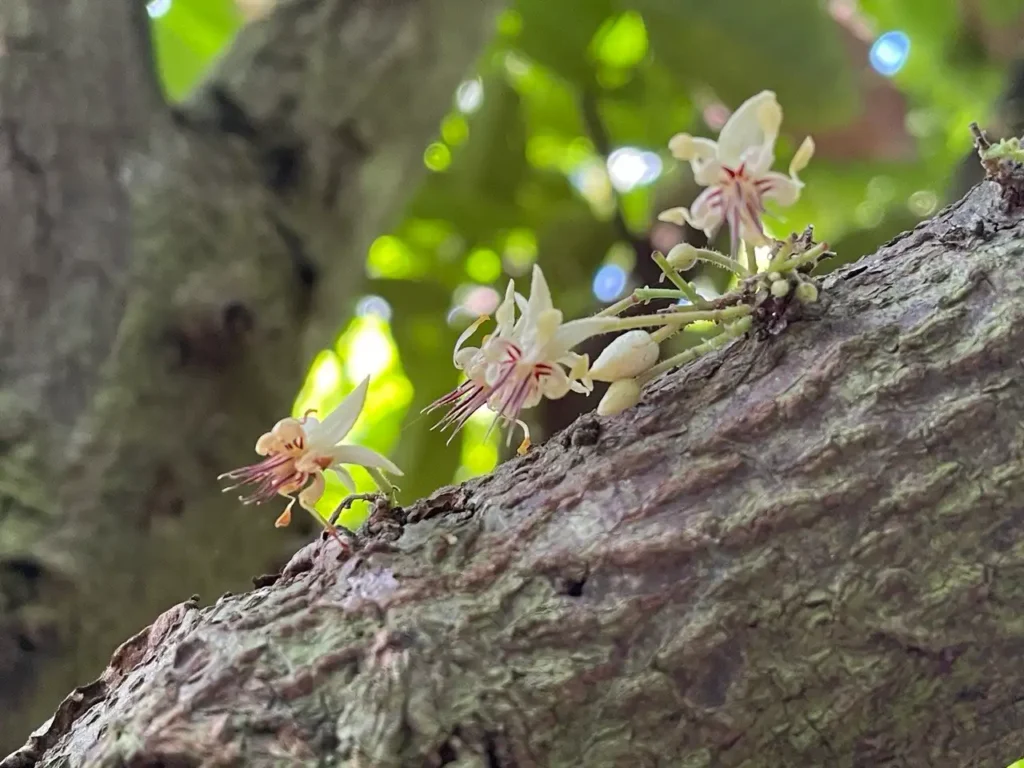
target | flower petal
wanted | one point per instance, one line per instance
(677, 216)
(555, 385)
(707, 211)
(802, 157)
(364, 457)
(505, 315)
(540, 298)
(312, 493)
(345, 477)
(464, 337)
(779, 187)
(340, 421)
(688, 148)
(464, 358)
(745, 129)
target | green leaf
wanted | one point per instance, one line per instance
(739, 47)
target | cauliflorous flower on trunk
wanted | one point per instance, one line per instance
(299, 451)
(737, 172)
(524, 361)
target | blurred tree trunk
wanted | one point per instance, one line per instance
(798, 551)
(165, 276)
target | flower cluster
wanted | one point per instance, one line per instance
(299, 451)
(530, 353)
(737, 173)
(525, 360)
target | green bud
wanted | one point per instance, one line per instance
(682, 256)
(806, 293)
(780, 288)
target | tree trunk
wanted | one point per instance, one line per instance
(797, 551)
(165, 276)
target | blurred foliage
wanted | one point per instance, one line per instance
(517, 174)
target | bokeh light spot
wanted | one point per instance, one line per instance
(609, 282)
(479, 300)
(390, 258)
(630, 167)
(470, 95)
(483, 265)
(621, 41)
(158, 8)
(437, 157)
(370, 350)
(373, 306)
(923, 202)
(889, 53)
(520, 251)
(454, 130)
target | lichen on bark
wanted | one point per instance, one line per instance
(797, 551)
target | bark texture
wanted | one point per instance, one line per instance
(165, 276)
(798, 551)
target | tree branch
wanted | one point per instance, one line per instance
(182, 281)
(799, 551)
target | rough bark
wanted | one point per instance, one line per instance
(797, 551)
(165, 275)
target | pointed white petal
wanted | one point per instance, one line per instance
(540, 297)
(743, 130)
(345, 477)
(340, 421)
(802, 157)
(505, 315)
(364, 457)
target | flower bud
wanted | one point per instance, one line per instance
(806, 293)
(780, 288)
(627, 356)
(682, 256)
(622, 394)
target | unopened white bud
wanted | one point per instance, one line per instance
(806, 293)
(622, 394)
(682, 256)
(627, 356)
(780, 288)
